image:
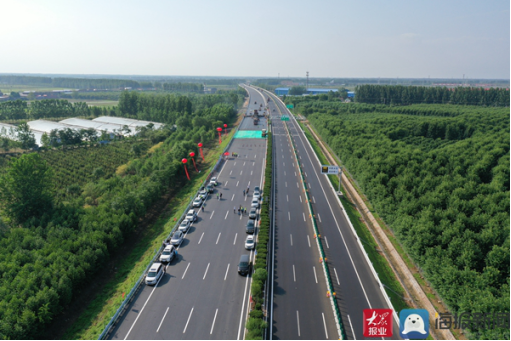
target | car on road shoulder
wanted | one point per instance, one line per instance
(250, 227)
(197, 202)
(253, 213)
(154, 274)
(177, 238)
(249, 242)
(255, 203)
(202, 192)
(191, 215)
(184, 226)
(256, 188)
(244, 265)
(210, 188)
(256, 195)
(168, 254)
(213, 181)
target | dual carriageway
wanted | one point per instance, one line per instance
(201, 296)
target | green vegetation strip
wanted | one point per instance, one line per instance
(97, 315)
(392, 286)
(255, 323)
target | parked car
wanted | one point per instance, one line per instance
(250, 227)
(191, 215)
(210, 188)
(168, 254)
(256, 195)
(197, 202)
(184, 226)
(256, 188)
(213, 181)
(244, 265)
(154, 274)
(255, 203)
(253, 213)
(202, 192)
(249, 242)
(177, 238)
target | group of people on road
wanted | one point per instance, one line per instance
(241, 210)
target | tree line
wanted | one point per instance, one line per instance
(404, 95)
(49, 248)
(441, 183)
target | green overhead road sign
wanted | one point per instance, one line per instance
(284, 118)
(289, 106)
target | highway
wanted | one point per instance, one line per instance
(354, 283)
(202, 296)
(301, 309)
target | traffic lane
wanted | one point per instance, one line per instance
(366, 281)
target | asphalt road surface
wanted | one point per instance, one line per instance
(202, 296)
(355, 286)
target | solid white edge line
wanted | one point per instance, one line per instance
(184, 330)
(184, 273)
(166, 311)
(213, 325)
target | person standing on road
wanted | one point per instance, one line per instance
(243, 192)
(248, 188)
(220, 195)
(202, 208)
(234, 209)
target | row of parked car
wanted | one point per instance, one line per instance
(245, 265)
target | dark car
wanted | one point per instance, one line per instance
(209, 188)
(250, 226)
(244, 265)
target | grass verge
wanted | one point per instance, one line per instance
(97, 315)
(392, 286)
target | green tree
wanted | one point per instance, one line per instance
(26, 188)
(25, 136)
(297, 90)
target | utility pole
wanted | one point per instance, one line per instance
(307, 87)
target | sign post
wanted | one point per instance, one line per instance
(333, 170)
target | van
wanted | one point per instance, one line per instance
(244, 265)
(154, 274)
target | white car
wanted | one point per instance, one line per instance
(255, 203)
(154, 274)
(177, 238)
(202, 192)
(191, 215)
(249, 242)
(185, 225)
(168, 254)
(256, 195)
(197, 202)
(213, 181)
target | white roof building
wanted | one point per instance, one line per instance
(131, 123)
(99, 126)
(9, 131)
(47, 126)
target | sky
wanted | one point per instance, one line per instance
(327, 38)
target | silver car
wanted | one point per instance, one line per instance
(185, 225)
(253, 213)
(255, 203)
(191, 215)
(154, 274)
(177, 238)
(197, 202)
(249, 242)
(168, 254)
(256, 195)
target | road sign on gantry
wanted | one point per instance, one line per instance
(329, 169)
(284, 118)
(290, 106)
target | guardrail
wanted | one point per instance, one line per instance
(136, 287)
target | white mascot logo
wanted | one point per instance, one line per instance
(414, 323)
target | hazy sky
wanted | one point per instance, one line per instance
(337, 38)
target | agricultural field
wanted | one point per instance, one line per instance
(96, 103)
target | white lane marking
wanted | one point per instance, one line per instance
(352, 330)
(206, 272)
(324, 324)
(218, 238)
(289, 215)
(226, 183)
(237, 183)
(166, 311)
(314, 199)
(284, 173)
(305, 173)
(326, 241)
(213, 325)
(297, 186)
(202, 235)
(226, 214)
(234, 163)
(184, 273)
(255, 156)
(212, 214)
(300, 198)
(295, 173)
(249, 183)
(235, 236)
(227, 271)
(298, 322)
(282, 156)
(315, 276)
(293, 164)
(230, 172)
(233, 197)
(291, 236)
(251, 172)
(241, 173)
(303, 216)
(184, 330)
(308, 240)
(284, 164)
(339, 283)
(287, 197)
(319, 217)
(244, 163)
(309, 184)
(286, 183)
(294, 274)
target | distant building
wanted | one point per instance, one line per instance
(312, 91)
(281, 91)
(351, 94)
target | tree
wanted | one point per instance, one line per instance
(26, 188)
(297, 90)
(25, 136)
